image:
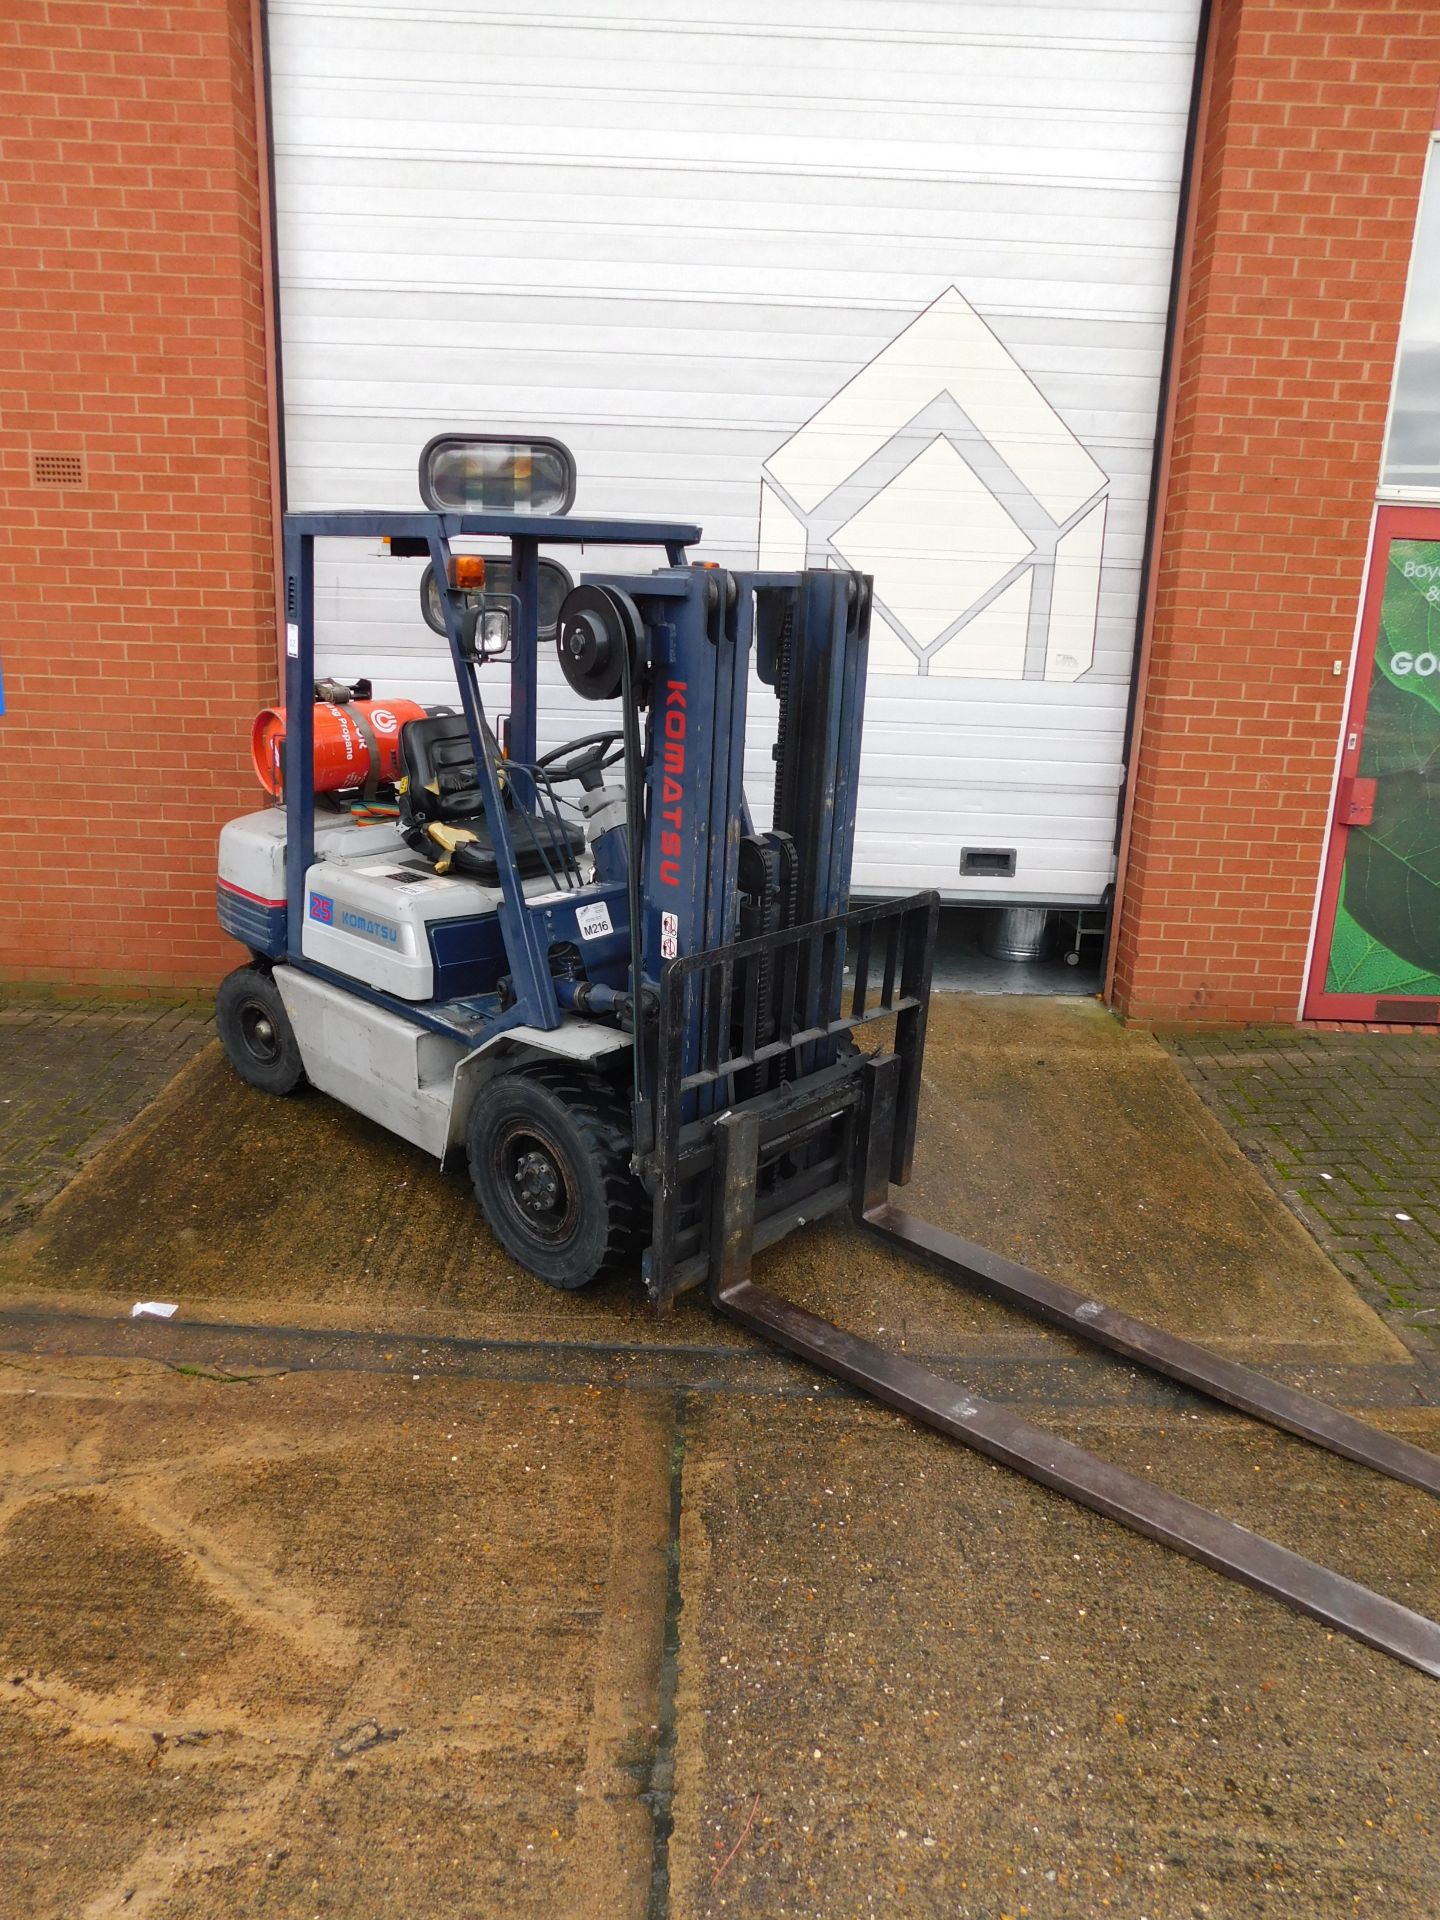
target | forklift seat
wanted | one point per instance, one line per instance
(441, 790)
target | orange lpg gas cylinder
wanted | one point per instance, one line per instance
(356, 744)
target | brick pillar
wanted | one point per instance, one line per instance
(1306, 207)
(140, 639)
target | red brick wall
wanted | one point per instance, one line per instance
(139, 637)
(1305, 211)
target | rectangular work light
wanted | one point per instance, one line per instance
(496, 473)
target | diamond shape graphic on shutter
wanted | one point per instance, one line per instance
(939, 534)
(943, 470)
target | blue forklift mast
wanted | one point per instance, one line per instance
(742, 969)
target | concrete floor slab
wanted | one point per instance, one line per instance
(1071, 1144)
(326, 1646)
(592, 1615)
(394, 1647)
(942, 1691)
(1048, 1132)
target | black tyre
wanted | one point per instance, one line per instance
(256, 1033)
(549, 1153)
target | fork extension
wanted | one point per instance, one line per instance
(1000, 1435)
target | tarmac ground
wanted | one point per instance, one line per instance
(383, 1582)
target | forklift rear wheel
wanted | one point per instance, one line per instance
(256, 1033)
(549, 1153)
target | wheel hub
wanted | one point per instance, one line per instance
(258, 1031)
(538, 1186)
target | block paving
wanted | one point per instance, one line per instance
(72, 1074)
(1346, 1127)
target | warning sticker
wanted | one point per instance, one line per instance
(593, 921)
(669, 936)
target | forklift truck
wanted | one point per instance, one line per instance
(633, 1005)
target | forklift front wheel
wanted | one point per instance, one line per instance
(549, 1152)
(256, 1033)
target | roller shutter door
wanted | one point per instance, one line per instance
(847, 284)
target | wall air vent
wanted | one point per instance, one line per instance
(58, 469)
(995, 863)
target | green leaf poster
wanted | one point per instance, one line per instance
(1386, 938)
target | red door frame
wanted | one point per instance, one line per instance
(1391, 523)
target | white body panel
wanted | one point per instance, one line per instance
(369, 919)
(252, 849)
(396, 1074)
(843, 283)
(418, 1084)
(368, 897)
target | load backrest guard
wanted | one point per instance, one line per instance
(816, 1141)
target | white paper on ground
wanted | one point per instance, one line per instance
(154, 1309)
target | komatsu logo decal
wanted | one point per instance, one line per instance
(369, 929)
(322, 908)
(672, 791)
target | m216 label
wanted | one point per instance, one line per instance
(593, 922)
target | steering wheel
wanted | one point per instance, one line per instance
(585, 759)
